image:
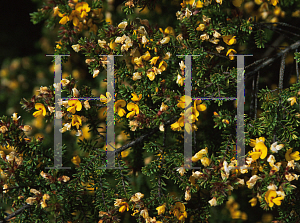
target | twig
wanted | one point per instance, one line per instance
(143, 137)
(281, 73)
(255, 97)
(271, 60)
(17, 212)
(281, 23)
(297, 68)
(252, 97)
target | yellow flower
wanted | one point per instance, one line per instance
(292, 156)
(271, 198)
(74, 16)
(136, 76)
(135, 97)
(219, 49)
(213, 202)
(15, 117)
(229, 40)
(199, 106)
(293, 100)
(199, 155)
(161, 209)
(146, 56)
(133, 108)
(219, 1)
(3, 129)
(180, 80)
(82, 8)
(201, 27)
(194, 112)
(76, 121)
(163, 107)
(231, 52)
(179, 211)
(199, 4)
(252, 181)
(104, 99)
(274, 2)
(43, 202)
(144, 213)
(74, 105)
(205, 161)
(181, 102)
(118, 107)
(176, 126)
(181, 171)
(41, 110)
(260, 151)
(154, 60)
(151, 75)
(169, 31)
(64, 19)
(123, 207)
(165, 40)
(113, 45)
(162, 65)
(122, 25)
(271, 160)
(76, 160)
(137, 197)
(275, 148)
(30, 200)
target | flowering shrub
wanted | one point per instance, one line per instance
(150, 111)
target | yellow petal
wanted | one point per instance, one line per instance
(278, 200)
(255, 155)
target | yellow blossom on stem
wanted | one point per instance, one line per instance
(76, 160)
(199, 155)
(118, 107)
(154, 60)
(259, 151)
(162, 65)
(176, 126)
(75, 105)
(293, 100)
(292, 156)
(229, 40)
(64, 19)
(271, 198)
(82, 8)
(274, 2)
(135, 97)
(179, 211)
(181, 171)
(161, 209)
(123, 206)
(151, 75)
(133, 108)
(231, 52)
(76, 121)
(181, 102)
(180, 80)
(137, 197)
(213, 202)
(146, 56)
(41, 110)
(253, 202)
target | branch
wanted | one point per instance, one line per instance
(269, 61)
(17, 212)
